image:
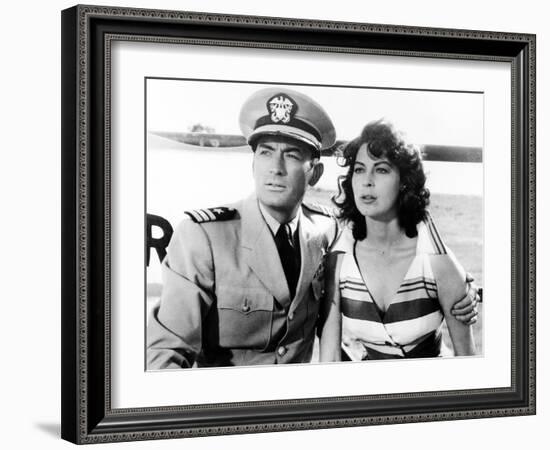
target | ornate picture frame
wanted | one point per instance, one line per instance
(88, 36)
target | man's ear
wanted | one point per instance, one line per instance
(318, 169)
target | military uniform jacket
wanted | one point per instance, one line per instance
(225, 300)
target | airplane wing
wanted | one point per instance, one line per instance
(430, 152)
(204, 139)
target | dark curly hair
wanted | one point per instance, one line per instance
(383, 141)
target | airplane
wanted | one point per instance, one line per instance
(430, 152)
(209, 140)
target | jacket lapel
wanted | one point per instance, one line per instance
(260, 252)
(311, 248)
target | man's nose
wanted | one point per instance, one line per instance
(277, 164)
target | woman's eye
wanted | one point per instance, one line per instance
(358, 170)
(382, 170)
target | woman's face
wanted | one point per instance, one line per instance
(375, 184)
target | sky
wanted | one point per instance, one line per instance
(425, 117)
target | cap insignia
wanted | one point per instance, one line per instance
(281, 108)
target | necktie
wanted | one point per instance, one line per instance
(290, 257)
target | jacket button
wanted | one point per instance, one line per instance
(246, 308)
(281, 351)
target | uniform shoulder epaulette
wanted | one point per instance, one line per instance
(318, 208)
(211, 214)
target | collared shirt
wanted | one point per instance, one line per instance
(274, 225)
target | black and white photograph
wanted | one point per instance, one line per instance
(300, 223)
(282, 224)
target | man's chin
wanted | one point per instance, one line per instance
(277, 202)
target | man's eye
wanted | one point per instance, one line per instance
(293, 155)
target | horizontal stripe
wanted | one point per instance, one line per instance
(414, 294)
(355, 295)
(375, 354)
(360, 310)
(387, 347)
(355, 289)
(398, 312)
(408, 331)
(364, 331)
(352, 282)
(429, 347)
(422, 339)
(417, 294)
(420, 281)
(419, 289)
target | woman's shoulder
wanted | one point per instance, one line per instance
(345, 241)
(430, 240)
(447, 265)
(340, 250)
(449, 275)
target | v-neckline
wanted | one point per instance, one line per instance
(379, 310)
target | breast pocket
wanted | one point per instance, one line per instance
(244, 317)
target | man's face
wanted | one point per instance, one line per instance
(283, 168)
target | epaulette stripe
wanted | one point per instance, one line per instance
(194, 216)
(209, 213)
(203, 215)
(199, 215)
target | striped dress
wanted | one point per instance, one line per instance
(411, 325)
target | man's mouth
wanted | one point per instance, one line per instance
(273, 186)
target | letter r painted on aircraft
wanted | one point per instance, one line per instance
(159, 244)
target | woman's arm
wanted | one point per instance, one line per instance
(451, 287)
(331, 321)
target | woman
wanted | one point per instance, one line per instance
(391, 281)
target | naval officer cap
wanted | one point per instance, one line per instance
(285, 112)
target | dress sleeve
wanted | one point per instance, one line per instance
(344, 243)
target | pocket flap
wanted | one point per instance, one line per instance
(245, 300)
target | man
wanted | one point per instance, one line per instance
(243, 283)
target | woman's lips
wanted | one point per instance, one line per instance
(368, 199)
